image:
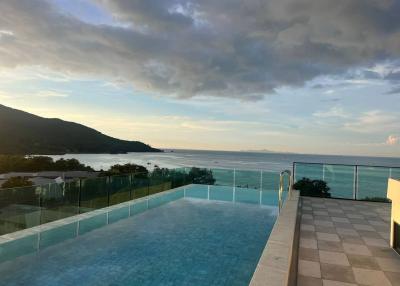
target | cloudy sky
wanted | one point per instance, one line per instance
(309, 76)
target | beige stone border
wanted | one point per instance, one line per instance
(278, 263)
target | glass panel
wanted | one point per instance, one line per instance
(162, 199)
(196, 191)
(57, 235)
(19, 209)
(310, 171)
(221, 193)
(223, 177)
(18, 247)
(372, 183)
(179, 177)
(248, 179)
(340, 180)
(140, 187)
(139, 207)
(247, 196)
(269, 198)
(120, 189)
(203, 176)
(395, 173)
(94, 194)
(157, 185)
(118, 214)
(59, 201)
(270, 181)
(92, 223)
(160, 180)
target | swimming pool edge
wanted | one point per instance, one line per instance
(278, 263)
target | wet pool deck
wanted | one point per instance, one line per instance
(346, 243)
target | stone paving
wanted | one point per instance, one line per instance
(344, 243)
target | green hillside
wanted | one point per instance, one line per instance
(25, 133)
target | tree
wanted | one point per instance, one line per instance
(201, 176)
(19, 163)
(312, 188)
(114, 170)
(15, 182)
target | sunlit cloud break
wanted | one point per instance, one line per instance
(392, 140)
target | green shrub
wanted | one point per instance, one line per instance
(15, 182)
(312, 188)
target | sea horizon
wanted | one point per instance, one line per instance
(246, 160)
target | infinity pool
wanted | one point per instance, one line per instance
(184, 242)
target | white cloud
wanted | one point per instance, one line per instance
(334, 112)
(51, 93)
(374, 121)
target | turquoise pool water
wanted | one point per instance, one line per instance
(209, 237)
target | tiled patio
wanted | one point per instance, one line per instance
(346, 243)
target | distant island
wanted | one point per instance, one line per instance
(25, 133)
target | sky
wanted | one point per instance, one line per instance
(304, 76)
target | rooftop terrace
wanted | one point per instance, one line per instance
(314, 241)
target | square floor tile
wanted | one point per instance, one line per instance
(308, 254)
(370, 277)
(308, 281)
(389, 264)
(323, 223)
(355, 216)
(393, 277)
(340, 219)
(308, 243)
(336, 283)
(327, 236)
(331, 257)
(386, 252)
(347, 231)
(309, 268)
(363, 261)
(375, 242)
(330, 245)
(326, 229)
(337, 273)
(358, 249)
(308, 227)
(363, 227)
(307, 234)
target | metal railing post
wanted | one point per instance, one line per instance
(355, 182)
(281, 183)
(108, 183)
(234, 185)
(79, 196)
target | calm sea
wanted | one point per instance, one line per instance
(223, 159)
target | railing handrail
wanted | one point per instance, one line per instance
(281, 184)
(349, 165)
(73, 180)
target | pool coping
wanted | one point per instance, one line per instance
(278, 263)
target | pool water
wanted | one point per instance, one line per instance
(185, 242)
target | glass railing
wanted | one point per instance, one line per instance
(355, 182)
(26, 207)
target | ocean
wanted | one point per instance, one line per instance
(370, 182)
(224, 159)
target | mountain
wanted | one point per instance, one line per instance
(25, 133)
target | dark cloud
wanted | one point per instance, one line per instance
(234, 48)
(395, 90)
(393, 76)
